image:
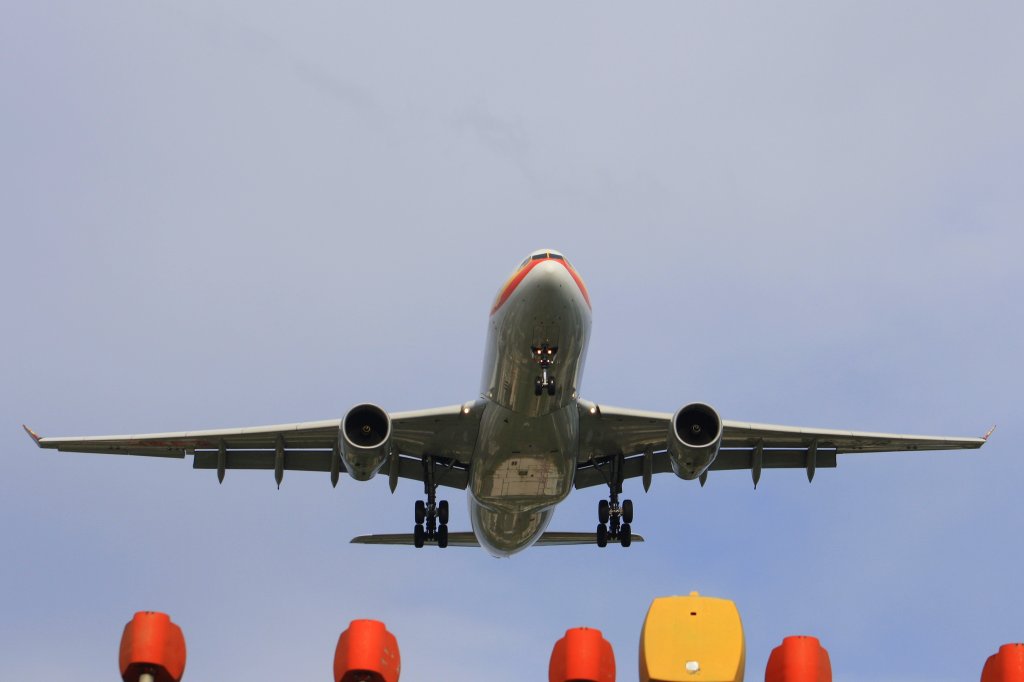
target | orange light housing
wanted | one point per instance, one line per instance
(1006, 665)
(152, 644)
(367, 652)
(799, 659)
(583, 655)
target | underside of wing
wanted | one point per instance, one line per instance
(748, 435)
(442, 438)
(303, 446)
(639, 441)
(318, 435)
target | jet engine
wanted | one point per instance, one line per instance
(695, 434)
(365, 440)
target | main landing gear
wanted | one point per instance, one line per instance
(614, 518)
(544, 356)
(431, 516)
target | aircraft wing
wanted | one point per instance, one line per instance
(641, 437)
(447, 433)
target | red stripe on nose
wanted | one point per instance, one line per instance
(517, 278)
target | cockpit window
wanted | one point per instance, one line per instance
(544, 255)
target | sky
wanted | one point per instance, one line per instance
(222, 214)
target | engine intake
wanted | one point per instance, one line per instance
(365, 440)
(695, 434)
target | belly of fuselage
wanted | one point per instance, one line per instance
(503, 534)
(523, 466)
(524, 463)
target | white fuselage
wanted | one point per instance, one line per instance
(526, 452)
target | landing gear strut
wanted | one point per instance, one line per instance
(544, 356)
(614, 518)
(431, 516)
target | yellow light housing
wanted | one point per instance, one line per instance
(692, 638)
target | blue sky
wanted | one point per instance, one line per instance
(224, 214)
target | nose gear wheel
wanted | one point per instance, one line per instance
(544, 356)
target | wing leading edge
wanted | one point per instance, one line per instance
(641, 438)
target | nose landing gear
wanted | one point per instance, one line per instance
(544, 356)
(614, 519)
(431, 516)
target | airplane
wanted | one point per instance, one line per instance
(525, 442)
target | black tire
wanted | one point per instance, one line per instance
(418, 535)
(421, 512)
(537, 389)
(442, 536)
(625, 538)
(627, 511)
(442, 512)
(551, 386)
(602, 511)
(602, 535)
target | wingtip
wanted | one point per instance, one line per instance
(989, 433)
(32, 434)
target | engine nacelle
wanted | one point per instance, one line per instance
(694, 436)
(365, 440)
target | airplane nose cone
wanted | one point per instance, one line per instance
(553, 281)
(549, 274)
